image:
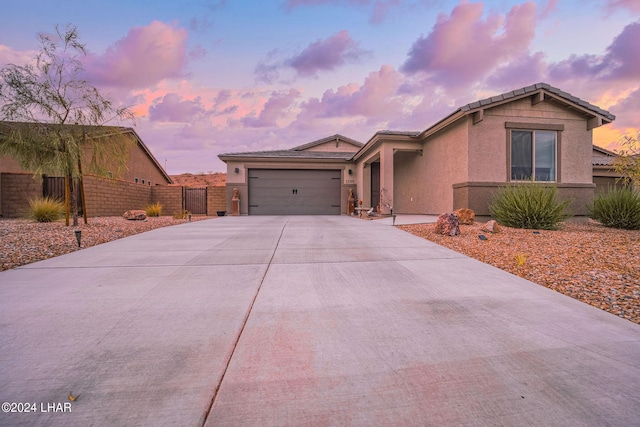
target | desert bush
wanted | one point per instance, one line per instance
(619, 208)
(181, 215)
(154, 209)
(45, 209)
(533, 206)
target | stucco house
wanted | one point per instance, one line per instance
(536, 133)
(17, 185)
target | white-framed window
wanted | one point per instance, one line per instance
(533, 152)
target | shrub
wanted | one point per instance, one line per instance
(619, 208)
(154, 209)
(534, 206)
(45, 209)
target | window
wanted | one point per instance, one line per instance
(533, 155)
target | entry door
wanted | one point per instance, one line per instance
(375, 184)
(294, 192)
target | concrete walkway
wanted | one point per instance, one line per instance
(289, 321)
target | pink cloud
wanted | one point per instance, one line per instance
(275, 108)
(520, 72)
(463, 47)
(144, 57)
(376, 101)
(326, 55)
(632, 5)
(172, 108)
(620, 62)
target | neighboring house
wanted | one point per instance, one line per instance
(142, 166)
(104, 196)
(604, 174)
(537, 133)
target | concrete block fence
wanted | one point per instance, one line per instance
(103, 196)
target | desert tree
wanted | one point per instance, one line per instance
(627, 163)
(53, 118)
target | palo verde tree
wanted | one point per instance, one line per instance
(628, 161)
(53, 119)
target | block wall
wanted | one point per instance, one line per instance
(216, 200)
(15, 191)
(110, 197)
(170, 197)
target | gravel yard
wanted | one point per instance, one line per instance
(24, 241)
(586, 261)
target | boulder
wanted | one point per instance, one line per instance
(492, 227)
(448, 224)
(135, 215)
(466, 216)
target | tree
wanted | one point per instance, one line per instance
(55, 118)
(628, 161)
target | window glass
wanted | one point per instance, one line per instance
(521, 151)
(545, 159)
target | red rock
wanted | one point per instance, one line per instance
(492, 227)
(466, 216)
(135, 215)
(448, 224)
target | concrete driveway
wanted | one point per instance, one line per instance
(290, 321)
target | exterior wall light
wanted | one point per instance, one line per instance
(350, 171)
(237, 170)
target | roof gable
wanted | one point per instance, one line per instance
(335, 143)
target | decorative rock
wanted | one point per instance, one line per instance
(466, 216)
(448, 224)
(492, 227)
(135, 215)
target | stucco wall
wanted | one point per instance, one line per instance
(488, 141)
(444, 162)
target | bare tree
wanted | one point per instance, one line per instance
(54, 118)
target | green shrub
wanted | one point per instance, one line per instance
(619, 208)
(534, 206)
(45, 209)
(154, 209)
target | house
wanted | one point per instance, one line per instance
(537, 133)
(604, 175)
(104, 196)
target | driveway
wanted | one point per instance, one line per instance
(295, 321)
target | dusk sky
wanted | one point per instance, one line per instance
(212, 76)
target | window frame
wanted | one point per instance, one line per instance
(532, 127)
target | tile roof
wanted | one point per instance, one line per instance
(292, 154)
(534, 88)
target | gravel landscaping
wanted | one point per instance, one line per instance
(24, 241)
(586, 261)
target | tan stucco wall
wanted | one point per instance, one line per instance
(430, 177)
(488, 141)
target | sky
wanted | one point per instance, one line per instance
(206, 77)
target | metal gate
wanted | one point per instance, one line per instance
(53, 187)
(195, 200)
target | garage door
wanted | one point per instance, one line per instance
(294, 192)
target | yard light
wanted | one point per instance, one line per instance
(78, 236)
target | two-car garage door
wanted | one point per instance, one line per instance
(294, 192)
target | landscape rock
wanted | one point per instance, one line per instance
(466, 216)
(448, 224)
(492, 227)
(135, 215)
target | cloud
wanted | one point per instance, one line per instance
(275, 108)
(16, 57)
(620, 62)
(144, 57)
(321, 55)
(632, 5)
(172, 108)
(463, 47)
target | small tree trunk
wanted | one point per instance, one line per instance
(66, 200)
(82, 199)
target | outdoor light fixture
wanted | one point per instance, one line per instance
(237, 170)
(78, 236)
(350, 171)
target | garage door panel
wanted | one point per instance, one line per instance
(294, 192)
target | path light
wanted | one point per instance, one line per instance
(189, 217)
(78, 236)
